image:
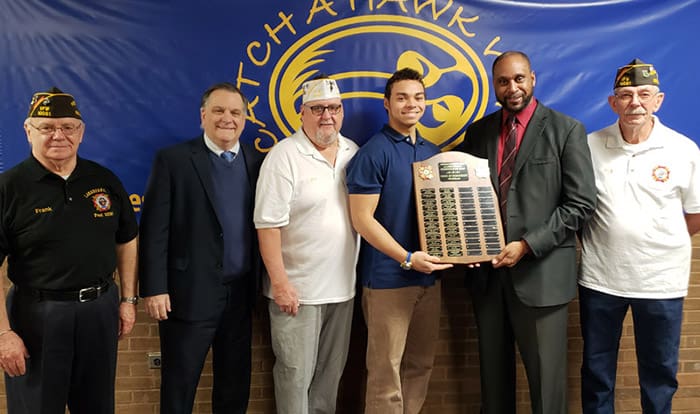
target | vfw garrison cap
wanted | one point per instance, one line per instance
(53, 104)
(636, 73)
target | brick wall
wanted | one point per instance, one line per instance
(454, 386)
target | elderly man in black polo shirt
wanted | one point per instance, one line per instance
(66, 223)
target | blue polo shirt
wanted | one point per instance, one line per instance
(383, 166)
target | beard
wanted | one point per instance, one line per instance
(325, 140)
(515, 109)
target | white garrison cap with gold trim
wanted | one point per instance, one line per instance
(318, 89)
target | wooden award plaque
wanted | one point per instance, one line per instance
(458, 215)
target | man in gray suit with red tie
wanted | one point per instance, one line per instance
(199, 261)
(540, 164)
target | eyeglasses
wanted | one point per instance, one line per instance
(627, 97)
(49, 130)
(332, 109)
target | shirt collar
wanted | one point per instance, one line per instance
(615, 140)
(398, 137)
(215, 148)
(37, 171)
(524, 115)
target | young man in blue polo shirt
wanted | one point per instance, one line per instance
(400, 296)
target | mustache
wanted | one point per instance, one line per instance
(638, 111)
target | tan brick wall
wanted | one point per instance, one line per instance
(454, 387)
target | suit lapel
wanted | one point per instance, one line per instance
(532, 135)
(248, 159)
(494, 134)
(200, 160)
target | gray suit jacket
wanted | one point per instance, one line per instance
(552, 194)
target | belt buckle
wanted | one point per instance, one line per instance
(87, 294)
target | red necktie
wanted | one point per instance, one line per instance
(507, 165)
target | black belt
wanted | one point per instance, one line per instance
(81, 295)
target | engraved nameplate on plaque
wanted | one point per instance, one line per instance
(458, 216)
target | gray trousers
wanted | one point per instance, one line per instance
(310, 350)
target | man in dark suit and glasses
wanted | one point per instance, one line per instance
(199, 260)
(540, 162)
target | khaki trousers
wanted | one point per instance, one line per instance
(402, 331)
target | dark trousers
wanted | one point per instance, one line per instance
(184, 347)
(541, 335)
(657, 334)
(73, 354)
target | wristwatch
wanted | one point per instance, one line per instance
(134, 300)
(406, 265)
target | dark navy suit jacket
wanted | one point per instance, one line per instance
(181, 239)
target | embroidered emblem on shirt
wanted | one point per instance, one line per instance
(660, 173)
(101, 202)
(425, 172)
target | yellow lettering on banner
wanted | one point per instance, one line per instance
(251, 112)
(98, 215)
(433, 3)
(43, 210)
(370, 4)
(325, 6)
(489, 48)
(401, 4)
(258, 140)
(286, 22)
(457, 18)
(136, 202)
(241, 80)
(109, 214)
(258, 62)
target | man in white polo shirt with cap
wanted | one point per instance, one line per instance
(637, 247)
(309, 248)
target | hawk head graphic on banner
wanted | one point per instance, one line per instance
(360, 52)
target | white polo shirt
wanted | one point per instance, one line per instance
(300, 192)
(637, 243)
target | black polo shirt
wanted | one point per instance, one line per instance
(62, 234)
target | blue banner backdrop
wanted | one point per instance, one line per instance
(138, 68)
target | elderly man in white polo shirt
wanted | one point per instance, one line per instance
(310, 249)
(636, 248)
